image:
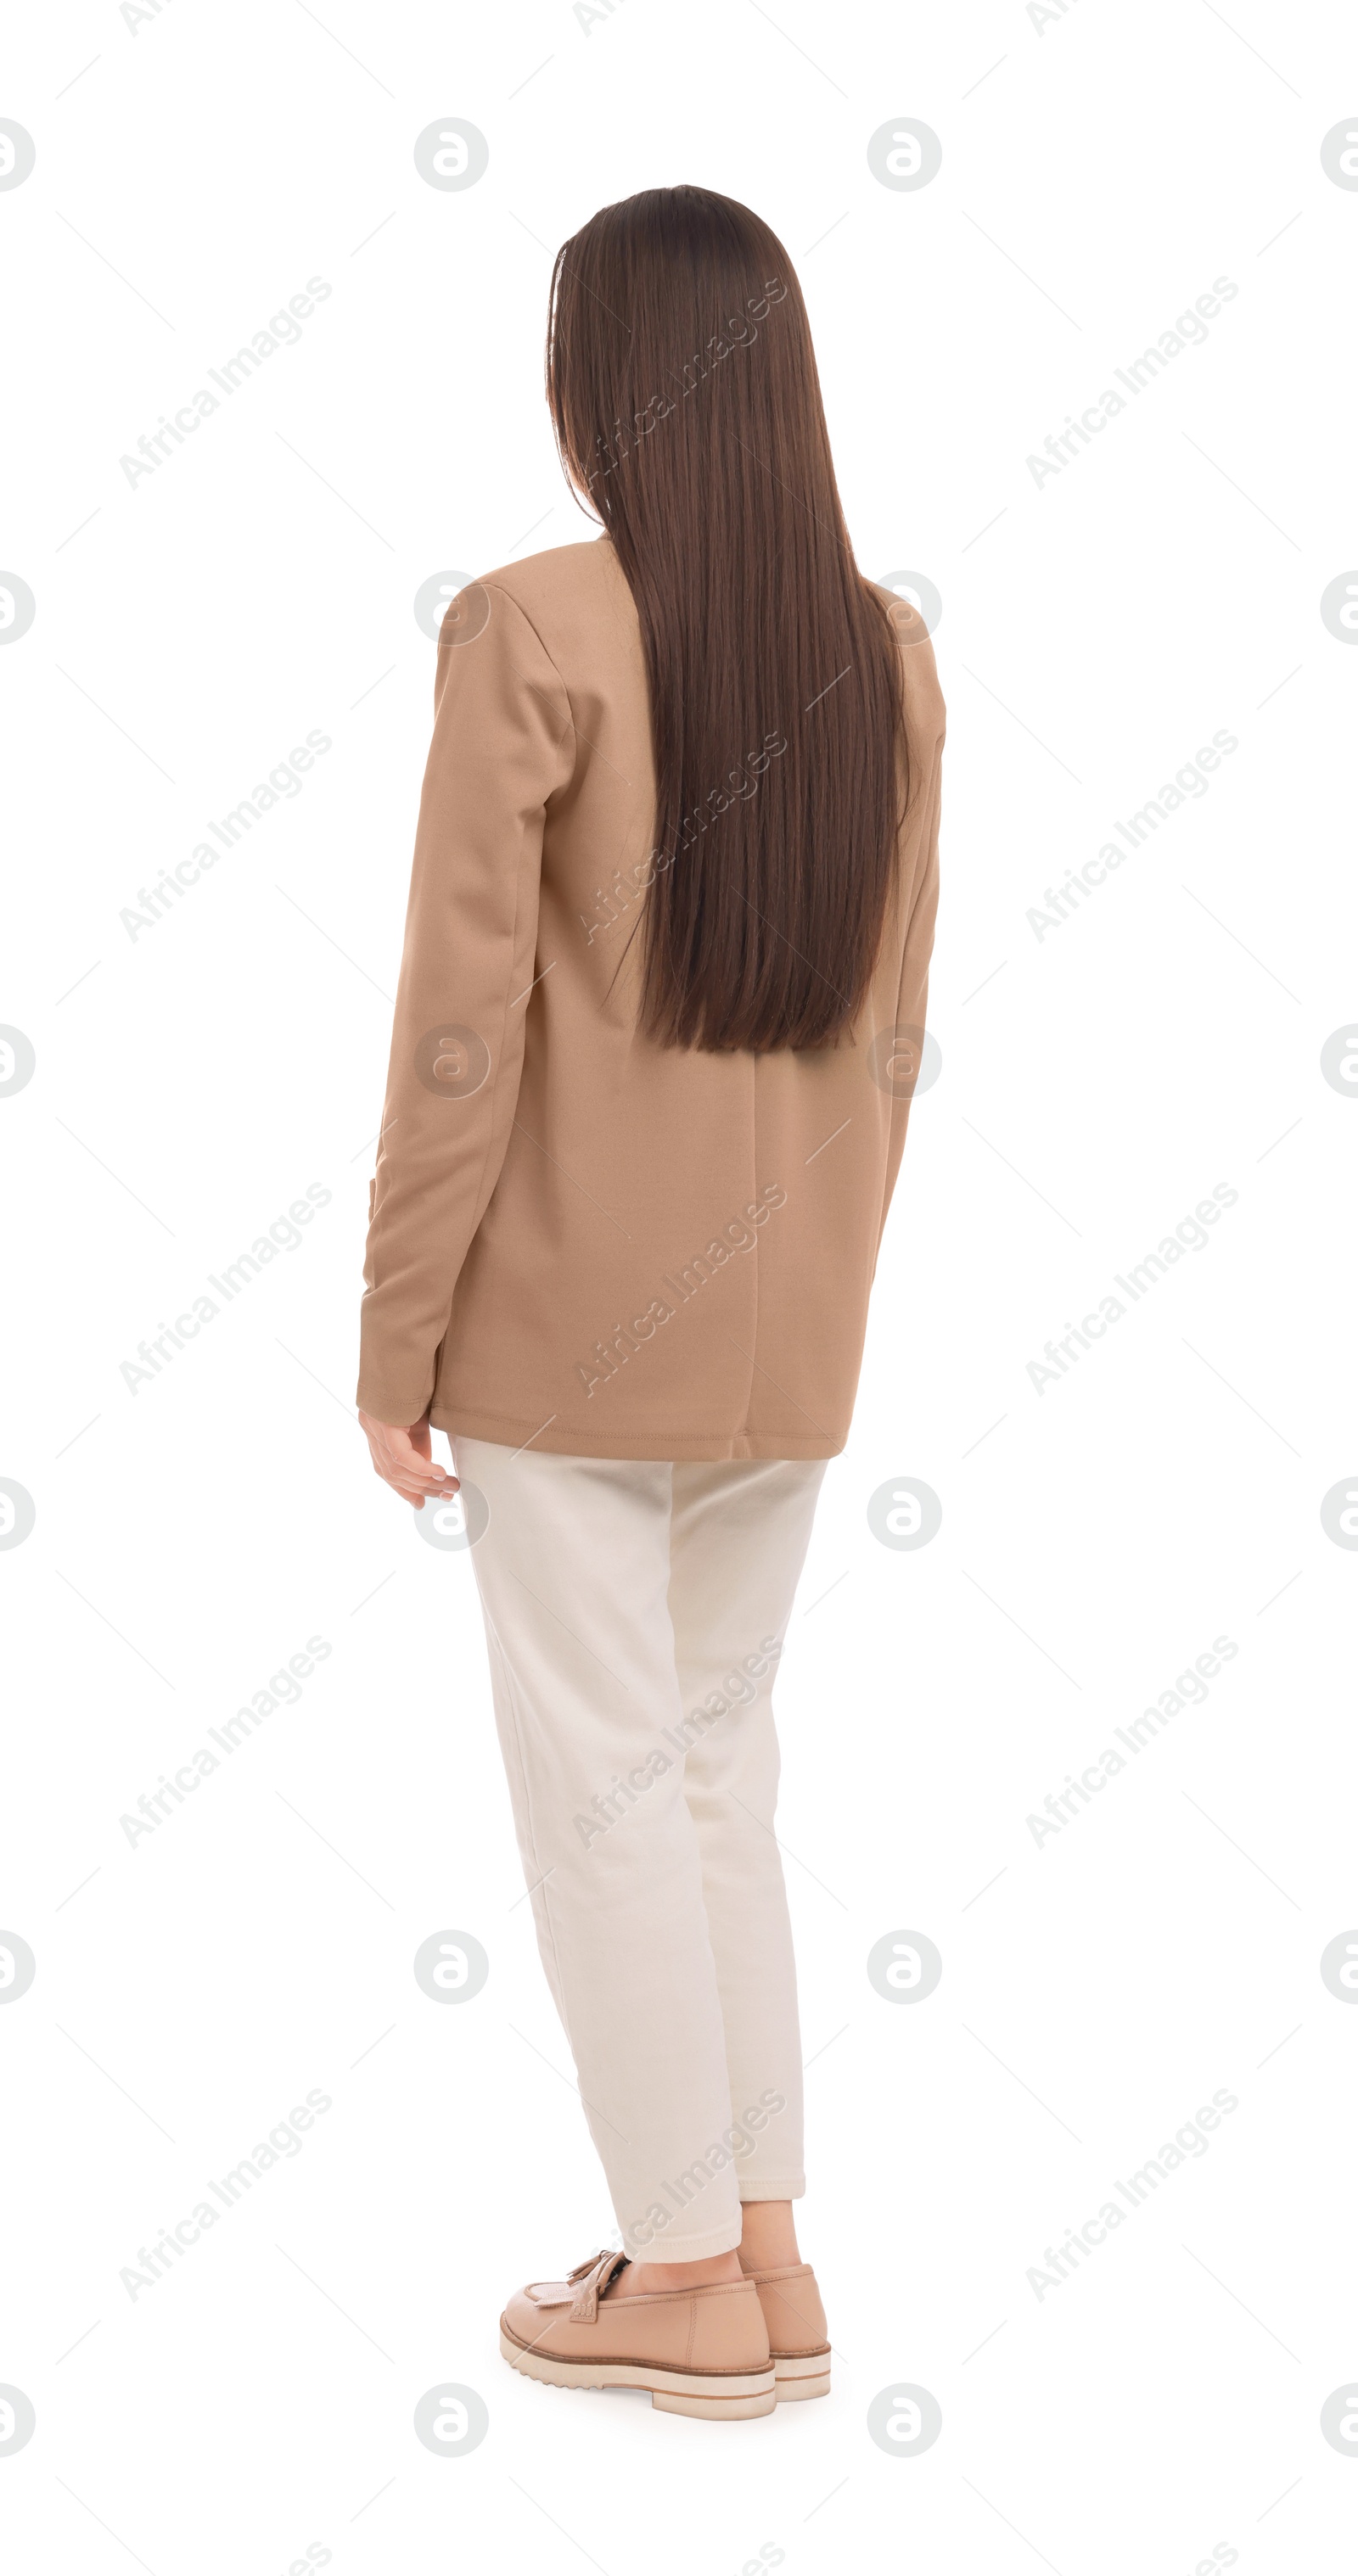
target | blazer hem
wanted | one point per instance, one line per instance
(576, 1440)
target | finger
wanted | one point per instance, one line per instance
(412, 1478)
(404, 1462)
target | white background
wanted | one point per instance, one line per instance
(1098, 174)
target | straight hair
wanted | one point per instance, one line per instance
(683, 390)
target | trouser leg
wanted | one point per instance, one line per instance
(574, 1572)
(738, 1540)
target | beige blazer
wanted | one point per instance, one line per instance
(579, 1238)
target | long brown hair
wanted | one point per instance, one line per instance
(683, 388)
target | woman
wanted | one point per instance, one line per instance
(659, 1015)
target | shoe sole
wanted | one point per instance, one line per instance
(801, 2374)
(722, 2397)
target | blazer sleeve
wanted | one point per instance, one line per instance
(913, 995)
(503, 744)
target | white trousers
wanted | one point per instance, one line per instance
(635, 1612)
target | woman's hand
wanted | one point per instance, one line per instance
(403, 1460)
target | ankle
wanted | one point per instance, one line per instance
(768, 2239)
(650, 2279)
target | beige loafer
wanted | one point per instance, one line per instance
(795, 2319)
(699, 2352)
